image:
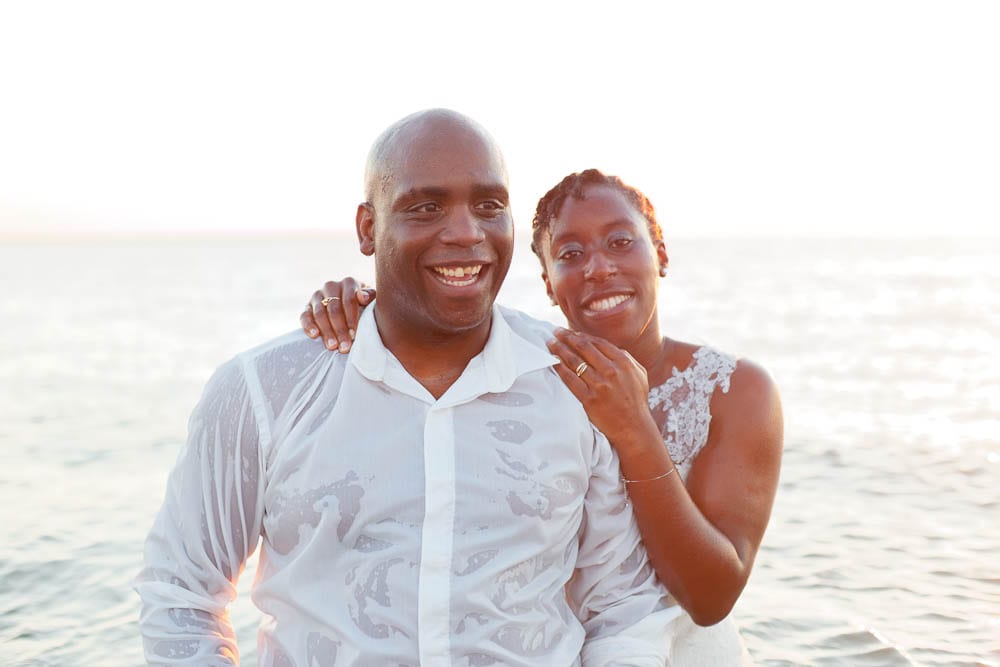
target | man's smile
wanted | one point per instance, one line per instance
(457, 276)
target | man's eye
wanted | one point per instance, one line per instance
(426, 207)
(491, 205)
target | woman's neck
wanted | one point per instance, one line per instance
(657, 360)
(652, 351)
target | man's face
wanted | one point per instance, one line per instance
(441, 231)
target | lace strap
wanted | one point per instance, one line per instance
(713, 369)
(685, 400)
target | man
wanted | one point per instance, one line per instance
(437, 496)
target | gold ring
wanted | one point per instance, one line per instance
(581, 368)
(328, 300)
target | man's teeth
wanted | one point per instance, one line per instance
(609, 303)
(459, 275)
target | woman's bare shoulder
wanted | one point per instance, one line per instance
(752, 404)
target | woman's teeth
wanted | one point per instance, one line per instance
(609, 303)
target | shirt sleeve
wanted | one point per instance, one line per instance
(208, 526)
(624, 609)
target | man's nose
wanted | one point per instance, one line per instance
(599, 267)
(463, 227)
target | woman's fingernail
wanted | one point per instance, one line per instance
(331, 343)
(344, 347)
(312, 333)
(350, 332)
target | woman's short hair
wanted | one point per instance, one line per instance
(575, 186)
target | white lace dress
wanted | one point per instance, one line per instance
(681, 406)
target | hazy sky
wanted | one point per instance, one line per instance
(795, 117)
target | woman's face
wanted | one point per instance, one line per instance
(602, 267)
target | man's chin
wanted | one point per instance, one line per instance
(462, 320)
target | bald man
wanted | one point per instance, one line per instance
(434, 497)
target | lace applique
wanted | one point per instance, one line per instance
(684, 399)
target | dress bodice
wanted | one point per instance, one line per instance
(681, 404)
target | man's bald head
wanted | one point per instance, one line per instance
(398, 142)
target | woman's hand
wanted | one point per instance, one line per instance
(333, 312)
(612, 386)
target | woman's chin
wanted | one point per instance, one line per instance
(620, 326)
(610, 329)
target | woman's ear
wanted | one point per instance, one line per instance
(364, 220)
(661, 254)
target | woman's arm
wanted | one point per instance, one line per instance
(702, 539)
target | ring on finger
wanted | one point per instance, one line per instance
(328, 300)
(581, 368)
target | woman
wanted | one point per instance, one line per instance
(703, 501)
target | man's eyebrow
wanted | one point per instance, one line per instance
(427, 191)
(436, 192)
(496, 189)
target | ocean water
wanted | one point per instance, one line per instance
(883, 546)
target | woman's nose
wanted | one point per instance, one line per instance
(600, 267)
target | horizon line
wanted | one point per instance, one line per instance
(125, 236)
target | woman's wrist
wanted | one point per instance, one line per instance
(642, 449)
(673, 469)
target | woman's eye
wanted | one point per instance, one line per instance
(568, 255)
(623, 242)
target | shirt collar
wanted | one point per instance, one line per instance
(508, 354)
(368, 354)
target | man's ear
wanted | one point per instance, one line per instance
(364, 220)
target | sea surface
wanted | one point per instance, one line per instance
(884, 545)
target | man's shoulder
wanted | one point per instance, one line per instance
(292, 342)
(285, 355)
(535, 331)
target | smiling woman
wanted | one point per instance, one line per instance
(698, 433)
(601, 253)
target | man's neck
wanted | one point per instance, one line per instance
(435, 360)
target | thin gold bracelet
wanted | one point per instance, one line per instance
(651, 479)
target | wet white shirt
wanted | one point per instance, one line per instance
(397, 529)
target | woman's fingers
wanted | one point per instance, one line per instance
(620, 359)
(322, 304)
(576, 386)
(584, 349)
(333, 312)
(322, 323)
(341, 295)
(578, 373)
(365, 295)
(611, 386)
(354, 296)
(610, 371)
(308, 322)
